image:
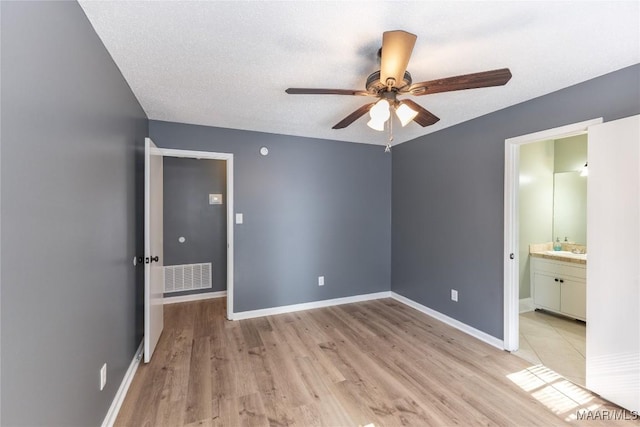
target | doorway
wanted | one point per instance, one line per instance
(612, 347)
(194, 229)
(512, 222)
(223, 198)
(552, 283)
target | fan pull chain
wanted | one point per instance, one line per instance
(387, 149)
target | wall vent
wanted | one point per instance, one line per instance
(186, 277)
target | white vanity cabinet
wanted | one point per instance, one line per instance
(559, 286)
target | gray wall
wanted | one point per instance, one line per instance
(311, 207)
(187, 213)
(448, 197)
(70, 130)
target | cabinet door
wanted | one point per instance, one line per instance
(546, 291)
(573, 298)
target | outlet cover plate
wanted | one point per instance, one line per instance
(103, 376)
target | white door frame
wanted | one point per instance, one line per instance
(511, 220)
(228, 157)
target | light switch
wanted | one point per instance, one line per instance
(215, 199)
(239, 218)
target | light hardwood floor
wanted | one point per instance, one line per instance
(373, 363)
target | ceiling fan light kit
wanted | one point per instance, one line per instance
(393, 80)
(376, 125)
(380, 111)
(405, 114)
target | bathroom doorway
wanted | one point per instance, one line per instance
(540, 170)
(612, 222)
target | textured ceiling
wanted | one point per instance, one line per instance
(227, 64)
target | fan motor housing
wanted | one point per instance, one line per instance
(374, 85)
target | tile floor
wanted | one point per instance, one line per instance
(555, 342)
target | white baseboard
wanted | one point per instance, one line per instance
(476, 333)
(526, 304)
(309, 305)
(194, 297)
(482, 336)
(112, 413)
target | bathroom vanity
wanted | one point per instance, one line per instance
(558, 283)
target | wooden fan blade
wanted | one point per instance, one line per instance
(354, 116)
(468, 81)
(307, 91)
(424, 117)
(396, 51)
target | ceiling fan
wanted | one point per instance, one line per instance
(393, 80)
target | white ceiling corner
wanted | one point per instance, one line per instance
(227, 63)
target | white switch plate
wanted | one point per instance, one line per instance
(454, 295)
(320, 280)
(103, 376)
(239, 218)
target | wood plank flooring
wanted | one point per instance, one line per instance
(376, 363)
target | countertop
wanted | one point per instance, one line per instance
(561, 256)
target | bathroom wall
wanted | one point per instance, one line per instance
(539, 162)
(188, 214)
(535, 204)
(570, 153)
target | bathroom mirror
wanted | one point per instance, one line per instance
(570, 207)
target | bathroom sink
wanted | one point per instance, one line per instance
(567, 254)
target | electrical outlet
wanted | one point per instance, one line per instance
(320, 280)
(454, 295)
(103, 376)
